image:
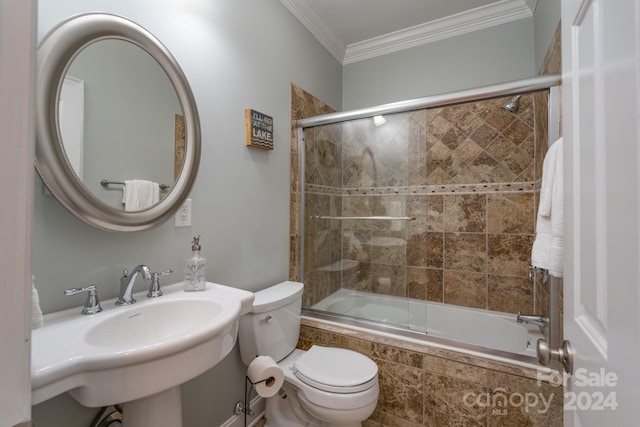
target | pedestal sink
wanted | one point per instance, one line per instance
(137, 354)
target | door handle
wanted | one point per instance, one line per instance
(563, 355)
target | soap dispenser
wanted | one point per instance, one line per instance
(195, 269)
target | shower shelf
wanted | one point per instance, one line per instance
(366, 218)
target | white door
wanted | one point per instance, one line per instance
(71, 113)
(17, 63)
(600, 42)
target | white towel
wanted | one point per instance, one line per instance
(548, 246)
(139, 194)
(36, 312)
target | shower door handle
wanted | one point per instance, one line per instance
(563, 355)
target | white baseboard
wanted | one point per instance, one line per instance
(257, 407)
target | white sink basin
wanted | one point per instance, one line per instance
(130, 352)
(154, 324)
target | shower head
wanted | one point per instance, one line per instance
(512, 104)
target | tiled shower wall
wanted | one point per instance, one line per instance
(466, 173)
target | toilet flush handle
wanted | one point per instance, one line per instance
(266, 320)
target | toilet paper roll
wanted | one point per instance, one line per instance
(265, 375)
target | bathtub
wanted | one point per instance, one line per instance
(483, 333)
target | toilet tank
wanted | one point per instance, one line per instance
(273, 326)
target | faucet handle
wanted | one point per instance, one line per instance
(154, 288)
(92, 303)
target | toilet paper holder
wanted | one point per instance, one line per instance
(244, 407)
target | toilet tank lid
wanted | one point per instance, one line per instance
(276, 296)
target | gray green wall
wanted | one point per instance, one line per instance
(492, 55)
(546, 19)
(236, 55)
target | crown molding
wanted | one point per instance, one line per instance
(311, 19)
(466, 22)
(501, 12)
(531, 4)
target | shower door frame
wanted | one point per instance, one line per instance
(532, 84)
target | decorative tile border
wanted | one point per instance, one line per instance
(503, 187)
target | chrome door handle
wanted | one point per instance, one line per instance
(563, 355)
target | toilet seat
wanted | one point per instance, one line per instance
(336, 370)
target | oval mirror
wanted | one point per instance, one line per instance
(113, 106)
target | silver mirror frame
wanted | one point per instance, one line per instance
(56, 51)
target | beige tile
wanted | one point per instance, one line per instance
(461, 371)
(434, 252)
(465, 251)
(388, 279)
(510, 294)
(435, 285)
(465, 212)
(465, 288)
(509, 254)
(401, 390)
(435, 213)
(417, 283)
(510, 213)
(450, 402)
(398, 355)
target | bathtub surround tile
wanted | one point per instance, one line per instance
(398, 355)
(388, 280)
(383, 419)
(435, 213)
(358, 277)
(510, 294)
(325, 282)
(416, 204)
(465, 288)
(453, 369)
(510, 213)
(435, 285)
(445, 402)
(524, 401)
(465, 251)
(303, 105)
(451, 382)
(417, 283)
(389, 247)
(434, 253)
(356, 245)
(466, 173)
(465, 212)
(417, 242)
(401, 390)
(509, 254)
(322, 248)
(484, 135)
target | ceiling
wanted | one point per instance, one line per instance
(354, 30)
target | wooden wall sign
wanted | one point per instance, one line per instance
(259, 129)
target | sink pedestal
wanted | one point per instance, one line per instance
(159, 410)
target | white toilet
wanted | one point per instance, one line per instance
(323, 386)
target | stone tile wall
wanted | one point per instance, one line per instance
(466, 173)
(425, 386)
(420, 385)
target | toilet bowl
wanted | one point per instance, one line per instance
(324, 386)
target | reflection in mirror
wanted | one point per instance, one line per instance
(127, 126)
(137, 127)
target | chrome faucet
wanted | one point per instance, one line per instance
(92, 303)
(127, 281)
(532, 319)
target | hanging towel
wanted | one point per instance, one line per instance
(548, 246)
(139, 194)
(36, 312)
